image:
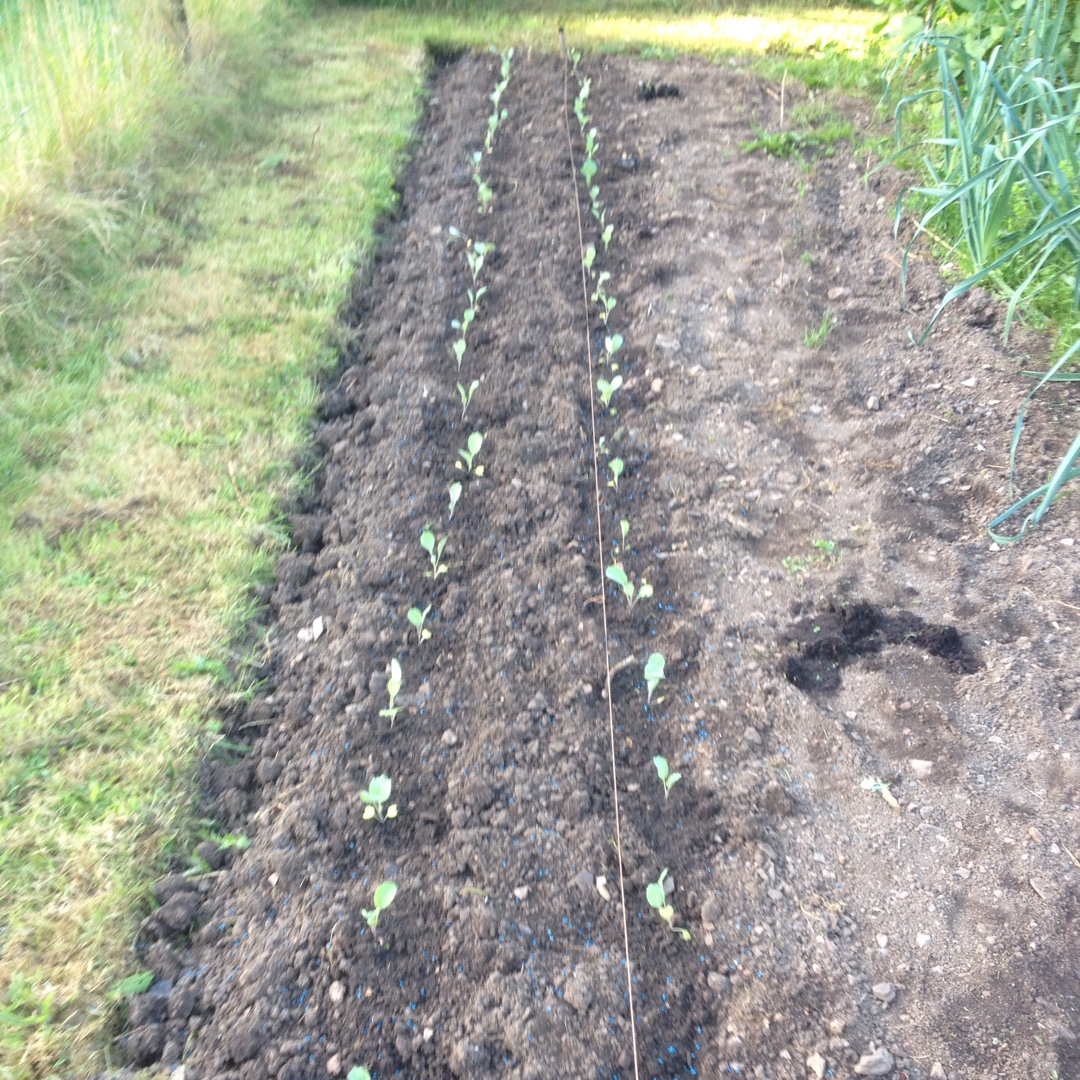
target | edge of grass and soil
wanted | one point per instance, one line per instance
(157, 394)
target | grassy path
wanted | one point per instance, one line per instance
(144, 468)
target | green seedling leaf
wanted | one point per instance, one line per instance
(416, 617)
(613, 344)
(434, 550)
(654, 670)
(608, 388)
(455, 495)
(616, 573)
(616, 466)
(667, 778)
(459, 351)
(588, 169)
(466, 395)
(624, 529)
(472, 448)
(358, 1072)
(393, 687)
(375, 798)
(657, 897)
(608, 233)
(383, 898)
(590, 256)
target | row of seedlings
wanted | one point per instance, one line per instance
(608, 385)
(376, 798)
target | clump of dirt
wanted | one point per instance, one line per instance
(821, 645)
(827, 928)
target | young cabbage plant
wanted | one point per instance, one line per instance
(589, 169)
(616, 466)
(657, 897)
(459, 351)
(376, 798)
(612, 344)
(484, 194)
(455, 495)
(472, 448)
(434, 549)
(590, 258)
(417, 618)
(633, 594)
(493, 124)
(608, 388)
(383, 898)
(467, 395)
(668, 778)
(475, 257)
(393, 688)
(606, 235)
(624, 532)
(654, 674)
(504, 69)
(591, 143)
(358, 1072)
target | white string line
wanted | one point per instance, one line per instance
(600, 546)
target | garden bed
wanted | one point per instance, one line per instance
(811, 520)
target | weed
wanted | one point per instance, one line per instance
(657, 897)
(393, 688)
(815, 336)
(467, 395)
(824, 552)
(667, 778)
(468, 455)
(434, 549)
(383, 898)
(633, 593)
(375, 799)
(654, 673)
(417, 617)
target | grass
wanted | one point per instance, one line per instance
(177, 257)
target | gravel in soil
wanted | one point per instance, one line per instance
(831, 612)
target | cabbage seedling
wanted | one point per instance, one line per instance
(667, 778)
(654, 674)
(466, 395)
(657, 898)
(434, 550)
(590, 142)
(375, 799)
(358, 1072)
(624, 530)
(417, 617)
(589, 169)
(393, 687)
(459, 351)
(609, 231)
(590, 257)
(475, 258)
(608, 388)
(472, 448)
(633, 593)
(455, 494)
(493, 122)
(483, 193)
(612, 344)
(616, 466)
(383, 898)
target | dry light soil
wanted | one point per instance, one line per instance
(812, 521)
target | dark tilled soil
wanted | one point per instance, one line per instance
(904, 650)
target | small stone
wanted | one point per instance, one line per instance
(751, 735)
(584, 881)
(883, 941)
(937, 1072)
(877, 1063)
(718, 983)
(1036, 836)
(602, 889)
(337, 992)
(920, 769)
(578, 993)
(963, 872)
(873, 403)
(429, 1034)
(538, 703)
(333, 1065)
(884, 991)
(839, 292)
(922, 940)
(816, 1064)
(712, 911)
(522, 892)
(656, 385)
(449, 738)
(669, 885)
(836, 1027)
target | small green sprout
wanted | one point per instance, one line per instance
(459, 351)
(589, 169)
(475, 258)
(624, 530)
(376, 797)
(608, 388)
(609, 231)
(472, 448)
(590, 257)
(493, 123)
(616, 466)
(657, 897)
(612, 344)
(434, 550)
(815, 336)
(505, 67)
(383, 898)
(590, 142)
(358, 1072)
(597, 207)
(654, 674)
(417, 617)
(393, 687)
(455, 495)
(466, 395)
(667, 778)
(483, 193)
(633, 593)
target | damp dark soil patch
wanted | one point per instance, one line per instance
(502, 955)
